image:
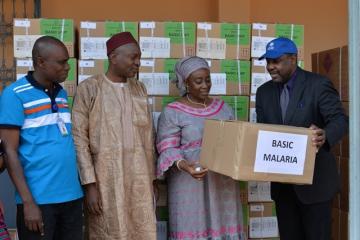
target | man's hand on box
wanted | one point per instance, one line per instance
(319, 136)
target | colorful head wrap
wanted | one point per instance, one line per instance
(185, 67)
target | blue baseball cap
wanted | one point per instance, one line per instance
(278, 47)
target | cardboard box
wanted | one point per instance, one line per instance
(157, 75)
(88, 68)
(333, 63)
(252, 109)
(262, 33)
(93, 36)
(262, 220)
(167, 39)
(162, 213)
(25, 64)
(259, 191)
(243, 192)
(228, 77)
(161, 230)
(259, 74)
(329, 66)
(240, 105)
(223, 40)
(27, 31)
(258, 152)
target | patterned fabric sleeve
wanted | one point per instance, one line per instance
(80, 130)
(168, 141)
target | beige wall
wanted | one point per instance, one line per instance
(326, 21)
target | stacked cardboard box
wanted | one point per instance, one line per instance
(262, 33)
(167, 39)
(223, 40)
(333, 63)
(94, 34)
(27, 31)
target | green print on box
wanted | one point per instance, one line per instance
(230, 67)
(71, 75)
(167, 100)
(106, 65)
(231, 32)
(169, 67)
(240, 104)
(294, 32)
(62, 29)
(111, 28)
(173, 30)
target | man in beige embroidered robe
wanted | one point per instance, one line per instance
(112, 129)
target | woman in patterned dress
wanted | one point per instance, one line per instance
(202, 204)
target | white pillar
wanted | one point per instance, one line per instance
(354, 90)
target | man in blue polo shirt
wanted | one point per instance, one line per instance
(35, 127)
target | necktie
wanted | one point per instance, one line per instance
(284, 100)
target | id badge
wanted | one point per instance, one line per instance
(62, 127)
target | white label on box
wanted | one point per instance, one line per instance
(252, 117)
(86, 63)
(23, 45)
(93, 47)
(161, 230)
(20, 75)
(259, 192)
(22, 23)
(24, 63)
(258, 79)
(88, 25)
(156, 83)
(213, 48)
(218, 84)
(155, 47)
(260, 63)
(263, 227)
(209, 62)
(253, 98)
(204, 26)
(258, 45)
(259, 26)
(147, 25)
(280, 153)
(147, 63)
(82, 78)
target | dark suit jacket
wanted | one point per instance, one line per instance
(313, 100)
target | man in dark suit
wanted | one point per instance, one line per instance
(300, 98)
